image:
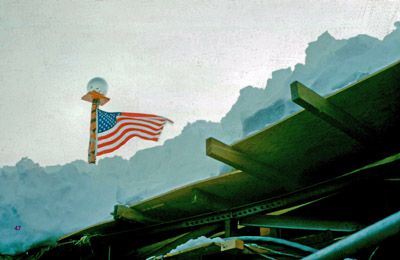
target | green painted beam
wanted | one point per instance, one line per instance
(332, 114)
(226, 154)
(307, 223)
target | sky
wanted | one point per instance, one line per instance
(185, 60)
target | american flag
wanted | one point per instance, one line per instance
(115, 129)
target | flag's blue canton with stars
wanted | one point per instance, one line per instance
(106, 120)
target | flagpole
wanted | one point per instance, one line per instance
(97, 99)
(93, 131)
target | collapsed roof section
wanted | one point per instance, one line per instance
(315, 169)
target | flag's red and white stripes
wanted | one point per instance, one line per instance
(130, 125)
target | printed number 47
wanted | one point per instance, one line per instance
(17, 228)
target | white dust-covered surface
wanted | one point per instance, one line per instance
(196, 242)
(49, 202)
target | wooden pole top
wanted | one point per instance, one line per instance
(90, 96)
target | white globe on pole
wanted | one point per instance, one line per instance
(99, 85)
